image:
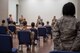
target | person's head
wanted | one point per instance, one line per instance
(68, 9)
(14, 23)
(10, 15)
(10, 22)
(3, 21)
(24, 23)
(47, 22)
(42, 24)
(32, 24)
(39, 23)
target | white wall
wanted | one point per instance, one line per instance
(12, 8)
(78, 10)
(30, 9)
(3, 9)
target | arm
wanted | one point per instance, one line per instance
(76, 44)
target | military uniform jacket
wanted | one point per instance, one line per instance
(67, 33)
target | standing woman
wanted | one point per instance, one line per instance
(67, 28)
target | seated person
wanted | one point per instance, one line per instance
(43, 24)
(12, 31)
(3, 23)
(24, 26)
(39, 25)
(47, 23)
(10, 24)
(32, 33)
(33, 29)
(14, 23)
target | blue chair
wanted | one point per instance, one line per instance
(24, 37)
(63, 52)
(12, 28)
(42, 31)
(6, 45)
(3, 30)
(36, 33)
(49, 30)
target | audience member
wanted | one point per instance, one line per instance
(33, 29)
(10, 24)
(47, 23)
(32, 25)
(39, 25)
(3, 23)
(42, 23)
(24, 25)
(14, 23)
(66, 40)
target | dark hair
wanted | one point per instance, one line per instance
(10, 22)
(14, 23)
(68, 9)
(32, 24)
(42, 24)
(3, 21)
(10, 15)
(47, 22)
(25, 23)
(39, 23)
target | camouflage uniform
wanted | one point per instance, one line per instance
(67, 33)
(76, 45)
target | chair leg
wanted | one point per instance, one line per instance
(21, 47)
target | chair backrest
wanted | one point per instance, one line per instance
(3, 30)
(5, 43)
(48, 29)
(42, 31)
(35, 31)
(24, 37)
(12, 28)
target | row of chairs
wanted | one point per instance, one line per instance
(41, 31)
(23, 36)
(3, 29)
(6, 45)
